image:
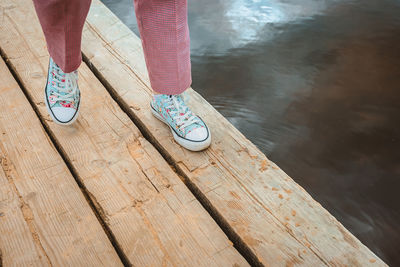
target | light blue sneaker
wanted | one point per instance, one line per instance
(62, 95)
(188, 130)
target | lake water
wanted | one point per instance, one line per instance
(315, 85)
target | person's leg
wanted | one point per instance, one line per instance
(62, 23)
(164, 32)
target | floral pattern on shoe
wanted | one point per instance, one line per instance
(62, 88)
(62, 95)
(176, 114)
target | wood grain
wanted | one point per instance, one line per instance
(44, 217)
(275, 218)
(154, 218)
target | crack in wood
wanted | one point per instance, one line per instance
(11, 174)
(230, 170)
(57, 147)
(133, 146)
(239, 244)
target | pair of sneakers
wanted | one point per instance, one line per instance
(62, 98)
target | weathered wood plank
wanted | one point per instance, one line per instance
(18, 243)
(152, 215)
(44, 218)
(276, 219)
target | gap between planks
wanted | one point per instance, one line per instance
(112, 35)
(145, 131)
(33, 96)
(237, 241)
(96, 208)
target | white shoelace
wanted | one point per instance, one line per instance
(70, 85)
(180, 113)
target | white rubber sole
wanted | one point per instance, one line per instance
(189, 145)
(54, 118)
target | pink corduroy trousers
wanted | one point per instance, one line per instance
(163, 30)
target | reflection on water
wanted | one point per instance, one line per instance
(314, 84)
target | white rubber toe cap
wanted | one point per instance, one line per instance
(198, 134)
(64, 115)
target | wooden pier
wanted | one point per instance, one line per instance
(114, 189)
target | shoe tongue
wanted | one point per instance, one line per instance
(182, 107)
(60, 80)
(63, 85)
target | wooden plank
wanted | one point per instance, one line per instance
(18, 243)
(153, 217)
(259, 204)
(44, 217)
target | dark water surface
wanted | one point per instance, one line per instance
(315, 85)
